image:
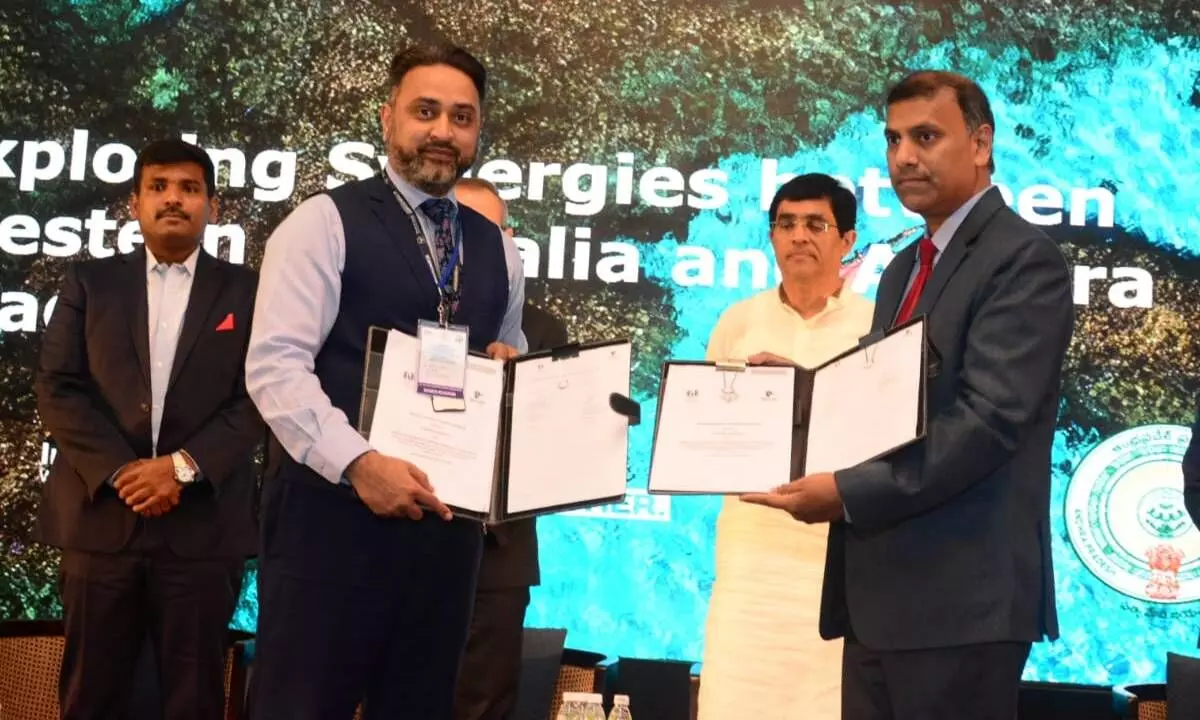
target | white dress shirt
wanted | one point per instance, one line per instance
(299, 291)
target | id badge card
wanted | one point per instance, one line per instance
(442, 364)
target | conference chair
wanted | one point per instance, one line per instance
(31, 654)
(1140, 702)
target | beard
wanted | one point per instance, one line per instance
(431, 175)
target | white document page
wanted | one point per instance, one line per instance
(567, 445)
(724, 431)
(457, 450)
(867, 403)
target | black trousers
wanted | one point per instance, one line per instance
(111, 602)
(354, 608)
(972, 682)
(491, 667)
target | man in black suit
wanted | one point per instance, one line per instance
(491, 665)
(151, 497)
(938, 572)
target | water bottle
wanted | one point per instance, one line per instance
(620, 710)
(594, 707)
(572, 706)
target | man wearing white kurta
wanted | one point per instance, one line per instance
(763, 656)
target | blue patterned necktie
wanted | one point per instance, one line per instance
(441, 211)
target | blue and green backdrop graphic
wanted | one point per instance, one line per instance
(640, 142)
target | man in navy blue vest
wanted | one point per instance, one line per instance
(364, 596)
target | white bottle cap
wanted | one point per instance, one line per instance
(595, 698)
(574, 697)
(621, 700)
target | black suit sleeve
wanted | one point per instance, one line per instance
(1191, 473)
(226, 439)
(88, 439)
(1012, 359)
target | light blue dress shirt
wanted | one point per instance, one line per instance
(168, 287)
(299, 290)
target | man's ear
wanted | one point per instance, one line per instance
(385, 120)
(983, 137)
(849, 238)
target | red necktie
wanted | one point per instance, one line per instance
(926, 251)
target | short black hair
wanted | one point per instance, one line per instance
(972, 100)
(421, 55)
(175, 152)
(818, 186)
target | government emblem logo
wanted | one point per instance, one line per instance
(1126, 518)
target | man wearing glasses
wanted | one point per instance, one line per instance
(763, 654)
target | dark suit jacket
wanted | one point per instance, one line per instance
(93, 389)
(1191, 473)
(949, 539)
(510, 550)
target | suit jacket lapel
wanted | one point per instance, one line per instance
(133, 288)
(206, 286)
(892, 285)
(959, 245)
(396, 223)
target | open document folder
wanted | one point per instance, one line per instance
(728, 428)
(545, 432)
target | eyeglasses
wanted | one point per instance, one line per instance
(790, 225)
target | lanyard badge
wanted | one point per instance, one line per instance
(442, 363)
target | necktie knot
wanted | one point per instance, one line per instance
(439, 210)
(927, 251)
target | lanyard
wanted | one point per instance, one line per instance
(448, 277)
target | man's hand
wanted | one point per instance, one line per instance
(766, 358)
(811, 499)
(149, 487)
(500, 351)
(392, 487)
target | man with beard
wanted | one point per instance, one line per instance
(151, 496)
(938, 571)
(367, 580)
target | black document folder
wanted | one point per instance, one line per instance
(717, 449)
(543, 462)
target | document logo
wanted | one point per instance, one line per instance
(693, 394)
(638, 505)
(1126, 518)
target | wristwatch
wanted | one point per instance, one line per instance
(184, 473)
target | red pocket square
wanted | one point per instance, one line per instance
(226, 324)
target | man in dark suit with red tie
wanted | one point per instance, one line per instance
(491, 665)
(151, 496)
(938, 571)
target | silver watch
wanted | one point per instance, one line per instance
(184, 473)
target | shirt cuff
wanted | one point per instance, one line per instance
(338, 447)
